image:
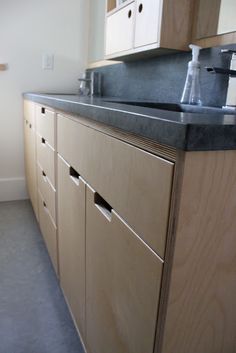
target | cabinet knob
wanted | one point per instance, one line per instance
(42, 110)
(140, 8)
(130, 13)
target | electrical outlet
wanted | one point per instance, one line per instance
(48, 61)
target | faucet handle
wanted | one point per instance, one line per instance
(228, 51)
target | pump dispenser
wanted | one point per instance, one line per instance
(191, 92)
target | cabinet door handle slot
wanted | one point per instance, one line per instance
(43, 140)
(74, 175)
(43, 110)
(103, 206)
(129, 14)
(140, 8)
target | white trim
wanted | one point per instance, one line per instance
(13, 189)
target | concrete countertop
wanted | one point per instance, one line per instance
(185, 131)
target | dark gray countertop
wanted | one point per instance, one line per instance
(185, 131)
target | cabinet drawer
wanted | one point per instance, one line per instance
(71, 240)
(47, 191)
(48, 230)
(120, 30)
(123, 278)
(135, 183)
(29, 112)
(46, 124)
(46, 158)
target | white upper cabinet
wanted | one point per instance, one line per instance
(148, 21)
(150, 27)
(120, 30)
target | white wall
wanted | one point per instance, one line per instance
(29, 28)
(96, 30)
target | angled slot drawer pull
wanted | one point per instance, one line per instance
(103, 206)
(75, 176)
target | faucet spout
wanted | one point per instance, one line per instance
(219, 70)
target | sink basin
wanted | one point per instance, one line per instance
(175, 107)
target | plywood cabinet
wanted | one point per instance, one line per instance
(137, 184)
(146, 233)
(147, 27)
(49, 231)
(30, 157)
(71, 239)
(40, 144)
(123, 278)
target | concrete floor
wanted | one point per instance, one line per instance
(33, 314)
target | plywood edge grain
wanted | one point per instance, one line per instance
(169, 252)
(146, 144)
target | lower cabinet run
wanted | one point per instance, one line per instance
(123, 278)
(142, 237)
(71, 239)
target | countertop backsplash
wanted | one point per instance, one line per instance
(162, 78)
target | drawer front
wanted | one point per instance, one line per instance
(71, 240)
(123, 279)
(120, 30)
(48, 230)
(29, 112)
(46, 158)
(47, 191)
(46, 124)
(135, 183)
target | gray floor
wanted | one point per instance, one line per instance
(33, 314)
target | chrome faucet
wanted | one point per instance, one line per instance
(219, 70)
(91, 84)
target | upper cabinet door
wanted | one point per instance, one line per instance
(148, 20)
(120, 30)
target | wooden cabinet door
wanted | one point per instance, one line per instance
(120, 30)
(136, 183)
(147, 24)
(71, 238)
(30, 164)
(123, 277)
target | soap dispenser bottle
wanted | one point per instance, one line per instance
(191, 93)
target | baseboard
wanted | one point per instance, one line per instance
(13, 189)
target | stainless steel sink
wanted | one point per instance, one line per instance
(175, 107)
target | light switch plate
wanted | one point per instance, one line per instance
(48, 61)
